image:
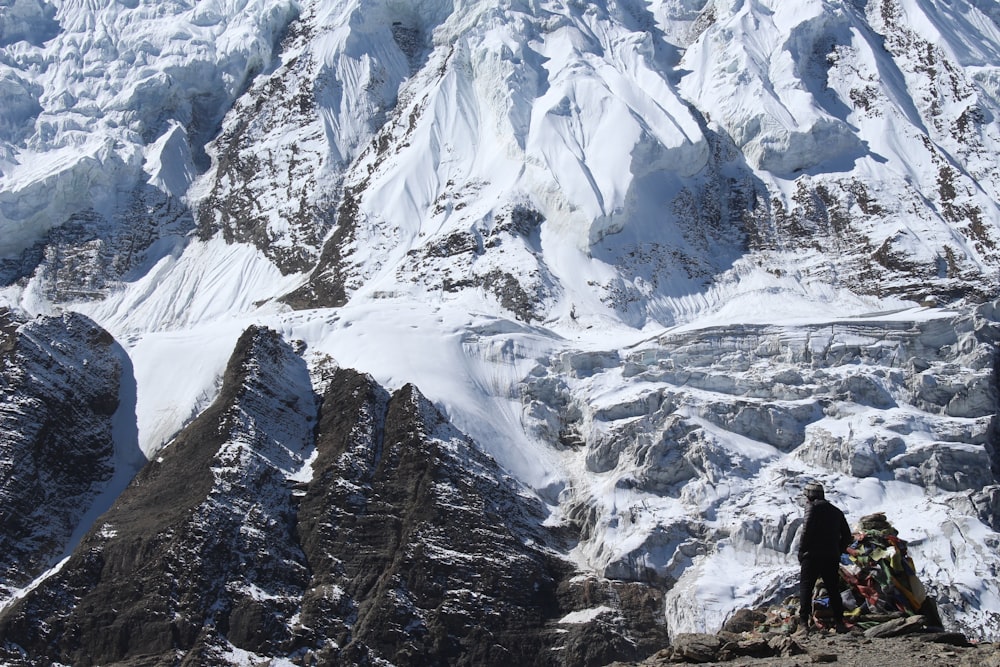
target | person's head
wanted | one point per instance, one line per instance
(813, 491)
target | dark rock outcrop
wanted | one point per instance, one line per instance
(424, 553)
(437, 560)
(59, 389)
(244, 173)
(198, 548)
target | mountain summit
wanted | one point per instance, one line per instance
(451, 331)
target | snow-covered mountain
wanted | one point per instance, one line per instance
(657, 262)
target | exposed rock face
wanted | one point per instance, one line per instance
(242, 203)
(87, 257)
(56, 447)
(358, 529)
(404, 525)
(204, 532)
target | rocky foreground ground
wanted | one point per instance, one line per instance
(853, 648)
(852, 651)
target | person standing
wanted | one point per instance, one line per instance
(825, 536)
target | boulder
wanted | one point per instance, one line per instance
(696, 647)
(744, 620)
(897, 627)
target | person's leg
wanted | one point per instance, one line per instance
(807, 581)
(831, 579)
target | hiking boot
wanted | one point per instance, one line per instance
(804, 628)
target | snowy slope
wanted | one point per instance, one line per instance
(538, 211)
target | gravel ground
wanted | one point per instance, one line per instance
(854, 650)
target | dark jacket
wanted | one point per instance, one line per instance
(825, 533)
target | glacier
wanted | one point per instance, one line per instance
(663, 260)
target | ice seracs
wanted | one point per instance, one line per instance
(105, 82)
